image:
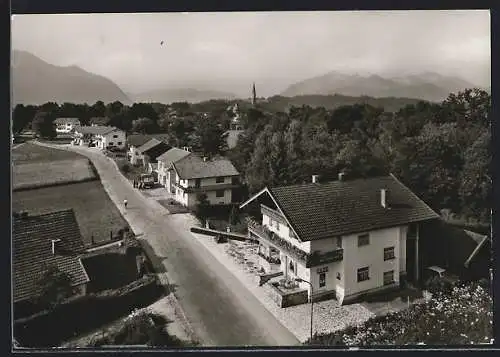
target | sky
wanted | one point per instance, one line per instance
(228, 51)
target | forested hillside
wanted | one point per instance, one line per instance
(440, 150)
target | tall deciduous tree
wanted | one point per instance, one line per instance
(43, 125)
(210, 138)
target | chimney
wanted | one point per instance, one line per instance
(341, 176)
(384, 198)
(54, 246)
(315, 178)
(205, 158)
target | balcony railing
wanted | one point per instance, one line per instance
(309, 260)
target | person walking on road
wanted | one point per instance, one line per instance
(125, 202)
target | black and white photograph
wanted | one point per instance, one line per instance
(291, 179)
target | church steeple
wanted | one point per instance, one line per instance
(254, 94)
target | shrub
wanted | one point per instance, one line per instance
(124, 167)
(463, 317)
(437, 285)
(79, 315)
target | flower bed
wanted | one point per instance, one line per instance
(465, 316)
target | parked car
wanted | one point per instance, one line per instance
(147, 180)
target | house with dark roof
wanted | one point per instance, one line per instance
(134, 141)
(347, 238)
(40, 241)
(150, 151)
(458, 251)
(166, 175)
(102, 137)
(217, 178)
(66, 125)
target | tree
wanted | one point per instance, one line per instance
(22, 116)
(54, 286)
(43, 125)
(98, 109)
(475, 183)
(210, 138)
(144, 125)
(202, 208)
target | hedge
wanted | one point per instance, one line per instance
(83, 314)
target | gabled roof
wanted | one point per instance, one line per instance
(32, 250)
(192, 167)
(74, 121)
(172, 155)
(96, 129)
(151, 144)
(326, 210)
(141, 139)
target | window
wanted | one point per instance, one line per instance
(388, 277)
(198, 183)
(363, 239)
(389, 253)
(219, 193)
(119, 143)
(338, 276)
(338, 242)
(291, 266)
(219, 179)
(110, 143)
(363, 274)
(322, 280)
(115, 136)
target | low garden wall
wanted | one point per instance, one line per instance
(286, 299)
(83, 314)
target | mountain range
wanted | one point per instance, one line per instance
(428, 86)
(170, 95)
(35, 81)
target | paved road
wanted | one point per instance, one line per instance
(221, 311)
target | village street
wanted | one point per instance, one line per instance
(219, 308)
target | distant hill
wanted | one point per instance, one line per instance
(35, 81)
(171, 95)
(280, 103)
(426, 86)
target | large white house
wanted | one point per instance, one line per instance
(102, 136)
(347, 238)
(215, 178)
(66, 125)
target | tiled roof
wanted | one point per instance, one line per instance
(141, 139)
(96, 129)
(74, 121)
(152, 143)
(32, 249)
(324, 210)
(192, 167)
(172, 155)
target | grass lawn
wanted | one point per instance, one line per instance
(38, 174)
(95, 212)
(30, 153)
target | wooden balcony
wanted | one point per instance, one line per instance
(309, 260)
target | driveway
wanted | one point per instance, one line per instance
(221, 311)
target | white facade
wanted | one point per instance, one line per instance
(135, 156)
(115, 138)
(65, 128)
(186, 191)
(340, 278)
